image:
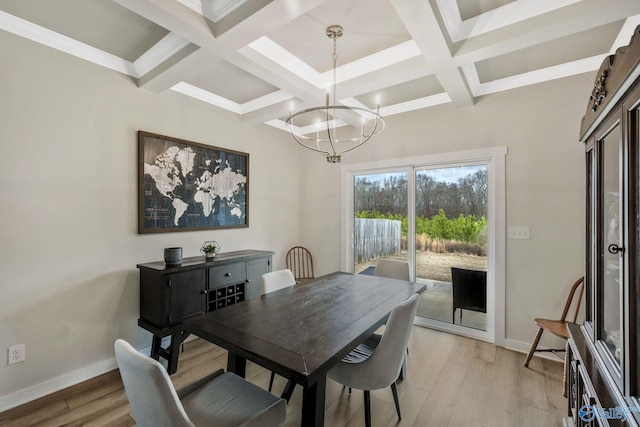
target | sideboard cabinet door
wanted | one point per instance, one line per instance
(255, 269)
(187, 292)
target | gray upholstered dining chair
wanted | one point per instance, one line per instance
(376, 363)
(271, 282)
(393, 269)
(276, 280)
(220, 399)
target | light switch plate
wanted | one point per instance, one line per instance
(520, 232)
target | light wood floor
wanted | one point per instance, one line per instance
(452, 381)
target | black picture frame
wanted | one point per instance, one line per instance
(189, 186)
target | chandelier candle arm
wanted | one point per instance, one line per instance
(334, 146)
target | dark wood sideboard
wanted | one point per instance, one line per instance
(170, 295)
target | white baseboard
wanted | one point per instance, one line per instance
(37, 391)
(523, 347)
(48, 387)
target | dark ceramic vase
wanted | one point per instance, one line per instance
(173, 256)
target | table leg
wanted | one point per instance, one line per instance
(236, 364)
(313, 404)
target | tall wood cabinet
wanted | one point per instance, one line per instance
(169, 295)
(603, 368)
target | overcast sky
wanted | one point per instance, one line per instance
(446, 174)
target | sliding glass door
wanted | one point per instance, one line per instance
(446, 218)
(451, 243)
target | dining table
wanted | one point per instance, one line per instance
(302, 331)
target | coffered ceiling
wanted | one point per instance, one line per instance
(257, 58)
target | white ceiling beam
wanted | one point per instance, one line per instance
(171, 45)
(266, 15)
(572, 19)
(206, 96)
(279, 76)
(213, 10)
(273, 73)
(509, 14)
(173, 16)
(304, 91)
(270, 62)
(267, 113)
(46, 37)
(395, 74)
(420, 20)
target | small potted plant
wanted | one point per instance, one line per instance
(210, 248)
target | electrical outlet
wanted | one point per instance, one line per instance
(16, 354)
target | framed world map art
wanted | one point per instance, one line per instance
(185, 186)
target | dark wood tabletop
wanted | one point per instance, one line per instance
(303, 331)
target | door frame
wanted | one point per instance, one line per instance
(495, 158)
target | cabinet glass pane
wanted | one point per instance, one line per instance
(634, 323)
(591, 239)
(611, 240)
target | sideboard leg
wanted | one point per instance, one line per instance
(174, 350)
(156, 345)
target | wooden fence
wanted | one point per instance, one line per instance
(375, 238)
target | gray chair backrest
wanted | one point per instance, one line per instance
(392, 269)
(382, 368)
(151, 394)
(390, 353)
(277, 280)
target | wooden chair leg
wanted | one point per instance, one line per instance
(367, 408)
(394, 390)
(534, 346)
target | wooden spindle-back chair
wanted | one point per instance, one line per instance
(300, 262)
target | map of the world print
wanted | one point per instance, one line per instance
(189, 186)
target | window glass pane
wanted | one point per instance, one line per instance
(451, 243)
(380, 219)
